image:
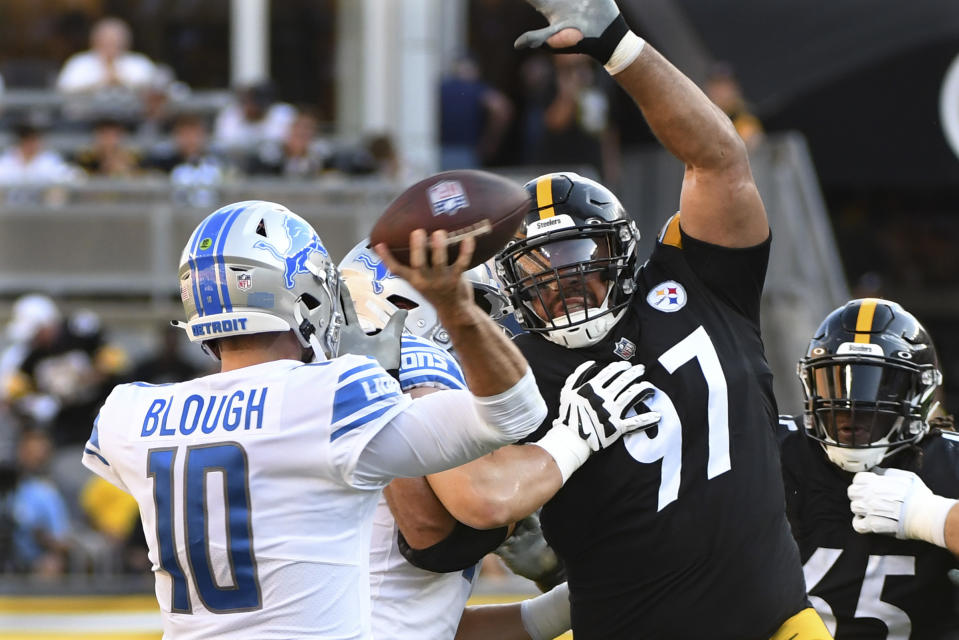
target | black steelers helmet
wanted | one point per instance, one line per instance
(870, 380)
(571, 268)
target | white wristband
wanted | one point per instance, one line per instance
(626, 51)
(568, 450)
(516, 412)
(547, 616)
(924, 518)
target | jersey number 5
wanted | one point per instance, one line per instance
(869, 605)
(237, 570)
(667, 445)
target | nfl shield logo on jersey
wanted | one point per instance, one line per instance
(668, 296)
(447, 197)
(244, 281)
(624, 349)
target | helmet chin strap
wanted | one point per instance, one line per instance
(854, 460)
(586, 334)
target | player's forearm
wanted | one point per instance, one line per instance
(687, 123)
(419, 514)
(500, 488)
(952, 529)
(490, 361)
(500, 621)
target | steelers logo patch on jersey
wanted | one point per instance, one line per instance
(668, 296)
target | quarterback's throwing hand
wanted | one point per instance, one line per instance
(897, 502)
(600, 406)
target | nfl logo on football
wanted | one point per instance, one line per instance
(668, 296)
(244, 281)
(447, 197)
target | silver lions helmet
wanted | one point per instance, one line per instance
(378, 294)
(257, 267)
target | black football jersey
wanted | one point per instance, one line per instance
(869, 585)
(680, 531)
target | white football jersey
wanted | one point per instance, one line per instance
(245, 481)
(410, 603)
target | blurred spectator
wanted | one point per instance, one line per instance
(195, 171)
(473, 118)
(108, 63)
(387, 160)
(724, 90)
(155, 117)
(167, 363)
(253, 118)
(575, 120)
(300, 155)
(58, 370)
(27, 164)
(41, 520)
(109, 155)
(114, 514)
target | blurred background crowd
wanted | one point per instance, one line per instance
(121, 119)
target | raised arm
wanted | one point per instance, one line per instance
(719, 202)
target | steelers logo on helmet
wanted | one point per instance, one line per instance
(570, 271)
(870, 382)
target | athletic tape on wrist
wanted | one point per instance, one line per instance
(568, 450)
(925, 519)
(546, 616)
(626, 51)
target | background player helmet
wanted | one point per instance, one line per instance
(870, 380)
(256, 267)
(576, 228)
(378, 294)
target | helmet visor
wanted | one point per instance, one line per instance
(859, 403)
(565, 276)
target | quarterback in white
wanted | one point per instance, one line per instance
(257, 485)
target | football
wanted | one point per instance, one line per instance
(465, 203)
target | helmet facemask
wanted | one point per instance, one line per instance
(572, 285)
(863, 409)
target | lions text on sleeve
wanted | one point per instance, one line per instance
(255, 525)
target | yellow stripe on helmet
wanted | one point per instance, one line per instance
(544, 197)
(864, 319)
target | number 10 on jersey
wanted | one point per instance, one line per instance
(242, 590)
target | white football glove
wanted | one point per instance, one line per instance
(599, 21)
(897, 502)
(601, 406)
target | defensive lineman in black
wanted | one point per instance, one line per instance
(870, 397)
(679, 531)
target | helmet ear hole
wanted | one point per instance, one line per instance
(310, 301)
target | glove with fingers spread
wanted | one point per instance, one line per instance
(897, 502)
(597, 406)
(383, 345)
(600, 406)
(606, 37)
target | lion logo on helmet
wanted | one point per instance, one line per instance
(303, 243)
(380, 272)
